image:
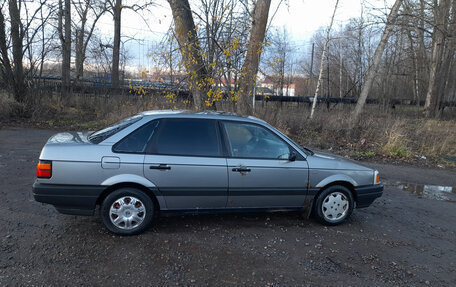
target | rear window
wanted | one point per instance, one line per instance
(101, 135)
(187, 137)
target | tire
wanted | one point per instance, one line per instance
(127, 211)
(334, 205)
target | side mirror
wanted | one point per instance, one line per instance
(292, 156)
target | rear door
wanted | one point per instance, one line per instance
(185, 161)
(263, 172)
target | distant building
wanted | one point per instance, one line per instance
(287, 90)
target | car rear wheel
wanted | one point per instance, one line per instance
(334, 205)
(127, 211)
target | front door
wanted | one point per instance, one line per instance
(263, 171)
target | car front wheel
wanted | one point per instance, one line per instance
(334, 205)
(127, 211)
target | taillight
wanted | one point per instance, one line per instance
(44, 169)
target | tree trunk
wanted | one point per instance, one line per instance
(80, 33)
(377, 56)
(190, 49)
(433, 96)
(252, 58)
(115, 79)
(416, 84)
(16, 39)
(322, 60)
(84, 34)
(7, 72)
(65, 39)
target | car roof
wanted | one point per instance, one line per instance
(199, 114)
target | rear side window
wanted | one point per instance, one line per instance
(190, 137)
(136, 142)
(101, 135)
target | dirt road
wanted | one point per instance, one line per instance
(403, 239)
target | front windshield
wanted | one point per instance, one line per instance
(101, 135)
(303, 148)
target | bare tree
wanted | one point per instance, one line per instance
(64, 28)
(116, 13)
(314, 103)
(252, 59)
(279, 60)
(89, 12)
(13, 71)
(376, 60)
(222, 30)
(6, 69)
(115, 7)
(17, 36)
(187, 38)
(443, 47)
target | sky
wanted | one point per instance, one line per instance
(301, 18)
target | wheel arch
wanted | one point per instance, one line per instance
(148, 191)
(343, 183)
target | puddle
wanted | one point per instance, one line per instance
(438, 192)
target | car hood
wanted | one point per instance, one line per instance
(324, 160)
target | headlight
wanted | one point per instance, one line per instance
(376, 177)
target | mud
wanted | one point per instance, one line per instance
(403, 239)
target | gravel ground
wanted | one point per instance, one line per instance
(401, 240)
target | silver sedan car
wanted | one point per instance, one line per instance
(172, 162)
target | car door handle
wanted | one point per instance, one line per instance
(241, 169)
(160, 166)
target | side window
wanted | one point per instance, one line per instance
(191, 137)
(252, 141)
(136, 142)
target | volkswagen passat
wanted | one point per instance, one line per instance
(178, 161)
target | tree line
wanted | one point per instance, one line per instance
(406, 51)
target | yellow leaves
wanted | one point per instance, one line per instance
(140, 91)
(170, 97)
(213, 97)
(227, 53)
(236, 44)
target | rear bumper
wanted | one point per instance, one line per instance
(365, 195)
(68, 199)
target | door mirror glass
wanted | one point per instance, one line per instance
(292, 156)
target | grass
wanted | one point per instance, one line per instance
(400, 134)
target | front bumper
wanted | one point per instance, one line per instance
(365, 195)
(68, 199)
